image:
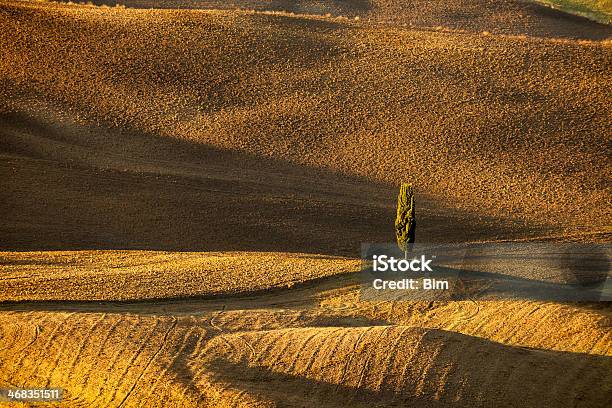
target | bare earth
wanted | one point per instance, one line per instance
(184, 194)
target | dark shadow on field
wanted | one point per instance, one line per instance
(71, 188)
(463, 371)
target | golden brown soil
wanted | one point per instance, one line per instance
(184, 194)
(308, 354)
(494, 16)
(133, 275)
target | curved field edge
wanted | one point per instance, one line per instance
(140, 275)
(129, 360)
(401, 366)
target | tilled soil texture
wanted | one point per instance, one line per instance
(184, 194)
(517, 17)
(215, 130)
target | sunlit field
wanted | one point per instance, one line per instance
(185, 192)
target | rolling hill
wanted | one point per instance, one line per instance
(185, 190)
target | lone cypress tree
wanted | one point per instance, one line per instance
(405, 221)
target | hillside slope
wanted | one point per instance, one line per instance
(264, 130)
(246, 358)
(177, 187)
(525, 17)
